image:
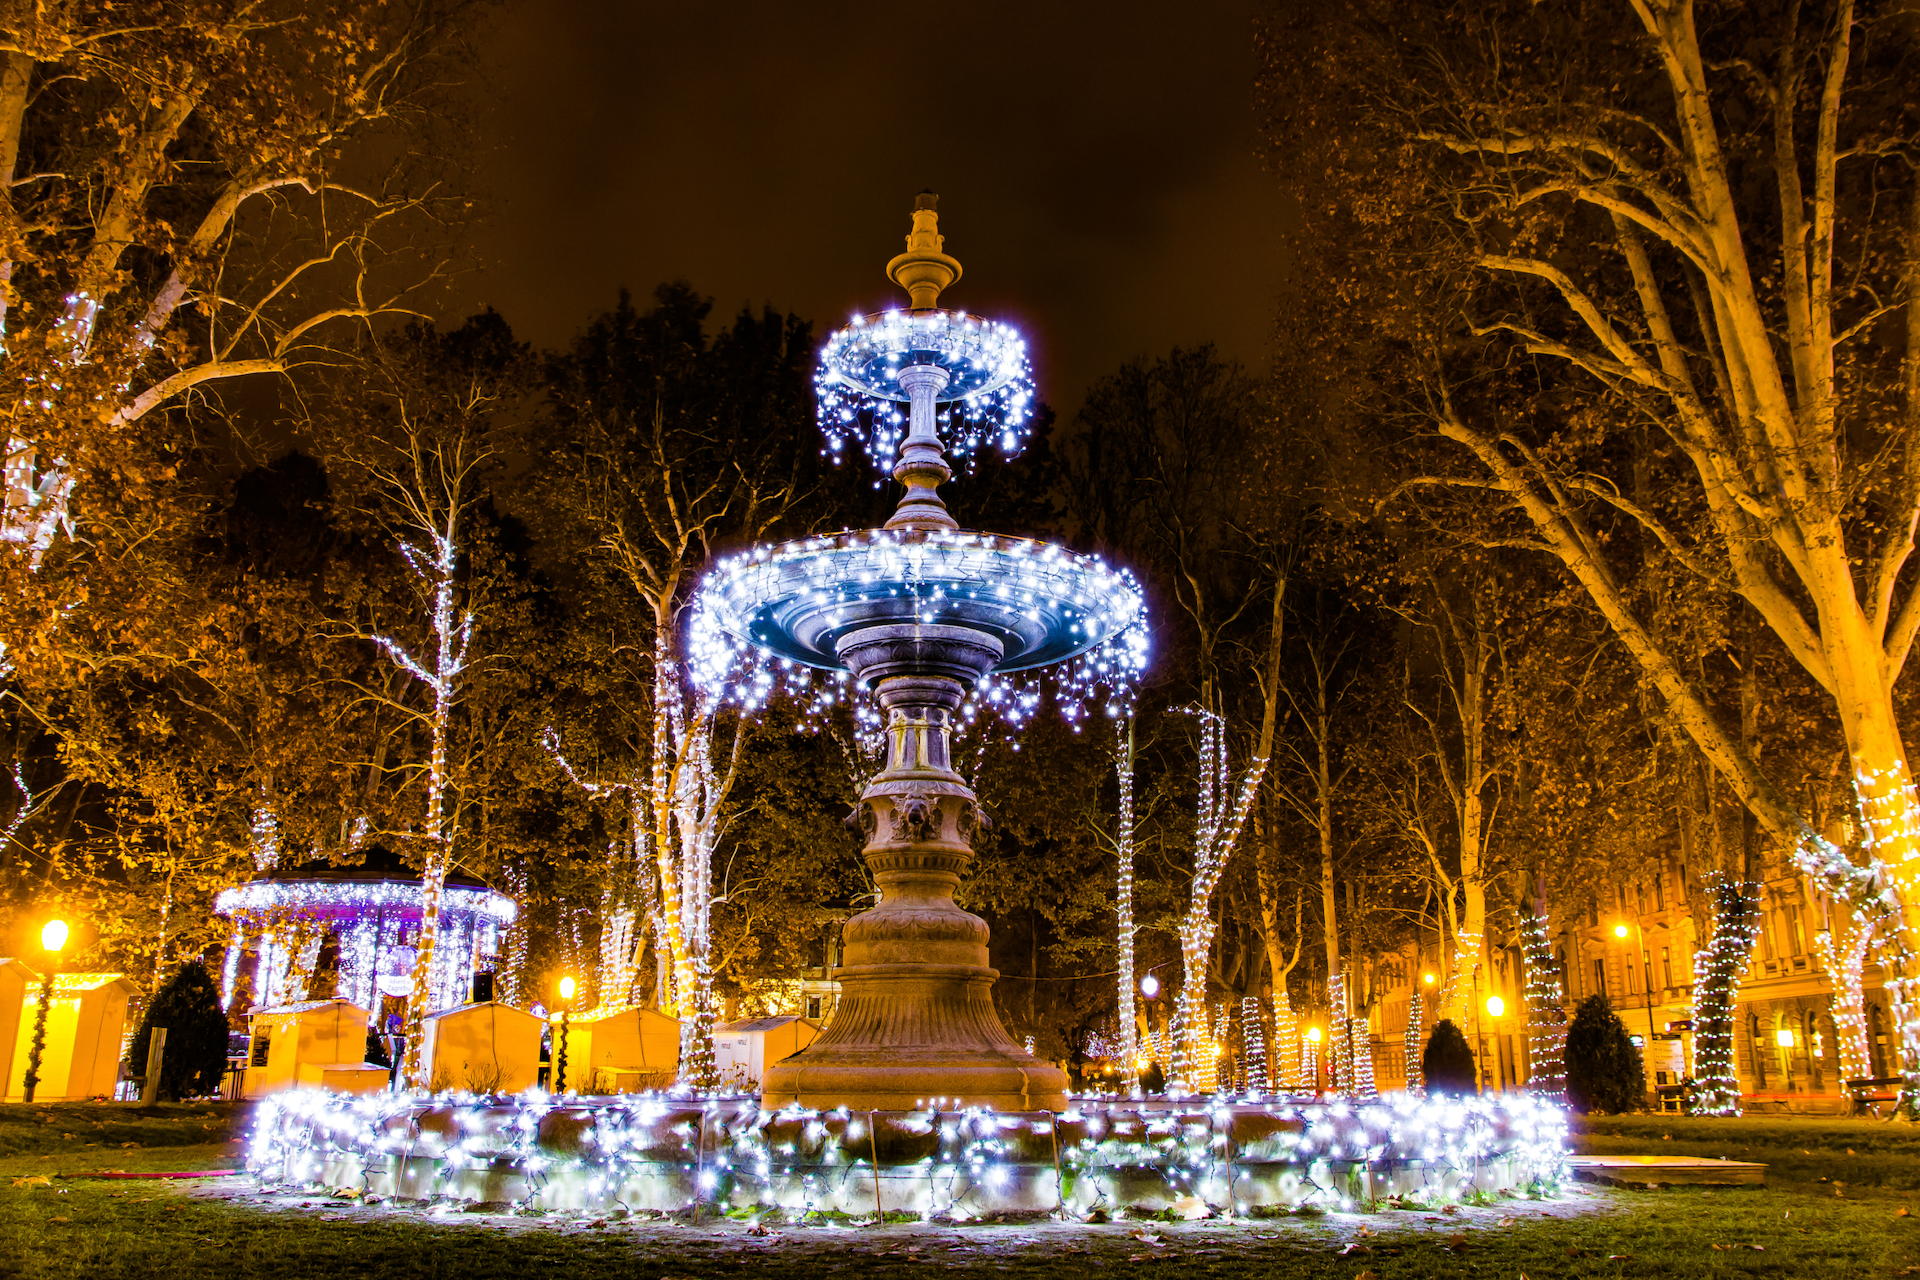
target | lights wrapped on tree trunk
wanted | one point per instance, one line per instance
(1546, 1011)
(1716, 975)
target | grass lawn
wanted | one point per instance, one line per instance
(1818, 1152)
(74, 1227)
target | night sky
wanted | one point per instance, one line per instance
(1095, 165)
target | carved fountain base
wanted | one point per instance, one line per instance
(916, 1020)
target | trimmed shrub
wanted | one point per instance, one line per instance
(1604, 1071)
(188, 1006)
(1446, 1064)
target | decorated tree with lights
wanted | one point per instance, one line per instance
(1123, 852)
(1221, 808)
(1719, 387)
(198, 192)
(1843, 949)
(1546, 1009)
(434, 416)
(675, 443)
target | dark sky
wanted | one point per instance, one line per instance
(1095, 164)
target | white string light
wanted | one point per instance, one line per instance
(1546, 1011)
(665, 1153)
(989, 391)
(1416, 1032)
(1717, 971)
(1220, 815)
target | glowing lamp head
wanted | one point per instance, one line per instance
(1784, 1038)
(54, 935)
(1495, 1006)
(1619, 931)
(566, 988)
(1427, 978)
(1149, 986)
(1313, 1035)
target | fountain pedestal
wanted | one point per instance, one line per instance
(916, 1021)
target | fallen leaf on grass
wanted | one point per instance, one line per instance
(1191, 1208)
(1904, 1212)
(757, 1230)
(59, 1219)
(1456, 1242)
(1351, 1249)
(1147, 1237)
(1619, 1257)
(34, 1180)
(1366, 1275)
(125, 1145)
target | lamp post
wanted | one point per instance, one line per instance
(560, 1051)
(1646, 973)
(52, 938)
(1496, 1008)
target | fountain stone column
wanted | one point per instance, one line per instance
(916, 1021)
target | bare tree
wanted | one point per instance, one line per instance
(189, 193)
(1675, 245)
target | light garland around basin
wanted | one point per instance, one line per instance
(742, 652)
(668, 1153)
(990, 388)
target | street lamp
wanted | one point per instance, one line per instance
(1646, 975)
(1496, 1008)
(52, 938)
(565, 1002)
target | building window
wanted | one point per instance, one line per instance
(1599, 976)
(1660, 891)
(1593, 914)
(1666, 966)
(1795, 938)
(813, 1006)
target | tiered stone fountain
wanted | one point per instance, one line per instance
(919, 613)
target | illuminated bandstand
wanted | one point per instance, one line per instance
(353, 930)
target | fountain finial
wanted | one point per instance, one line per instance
(923, 270)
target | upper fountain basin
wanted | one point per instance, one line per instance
(979, 356)
(1039, 603)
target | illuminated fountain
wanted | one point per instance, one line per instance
(924, 616)
(915, 1099)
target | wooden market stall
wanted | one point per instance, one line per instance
(486, 1048)
(86, 1022)
(619, 1050)
(16, 980)
(744, 1050)
(313, 1033)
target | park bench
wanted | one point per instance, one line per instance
(1868, 1094)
